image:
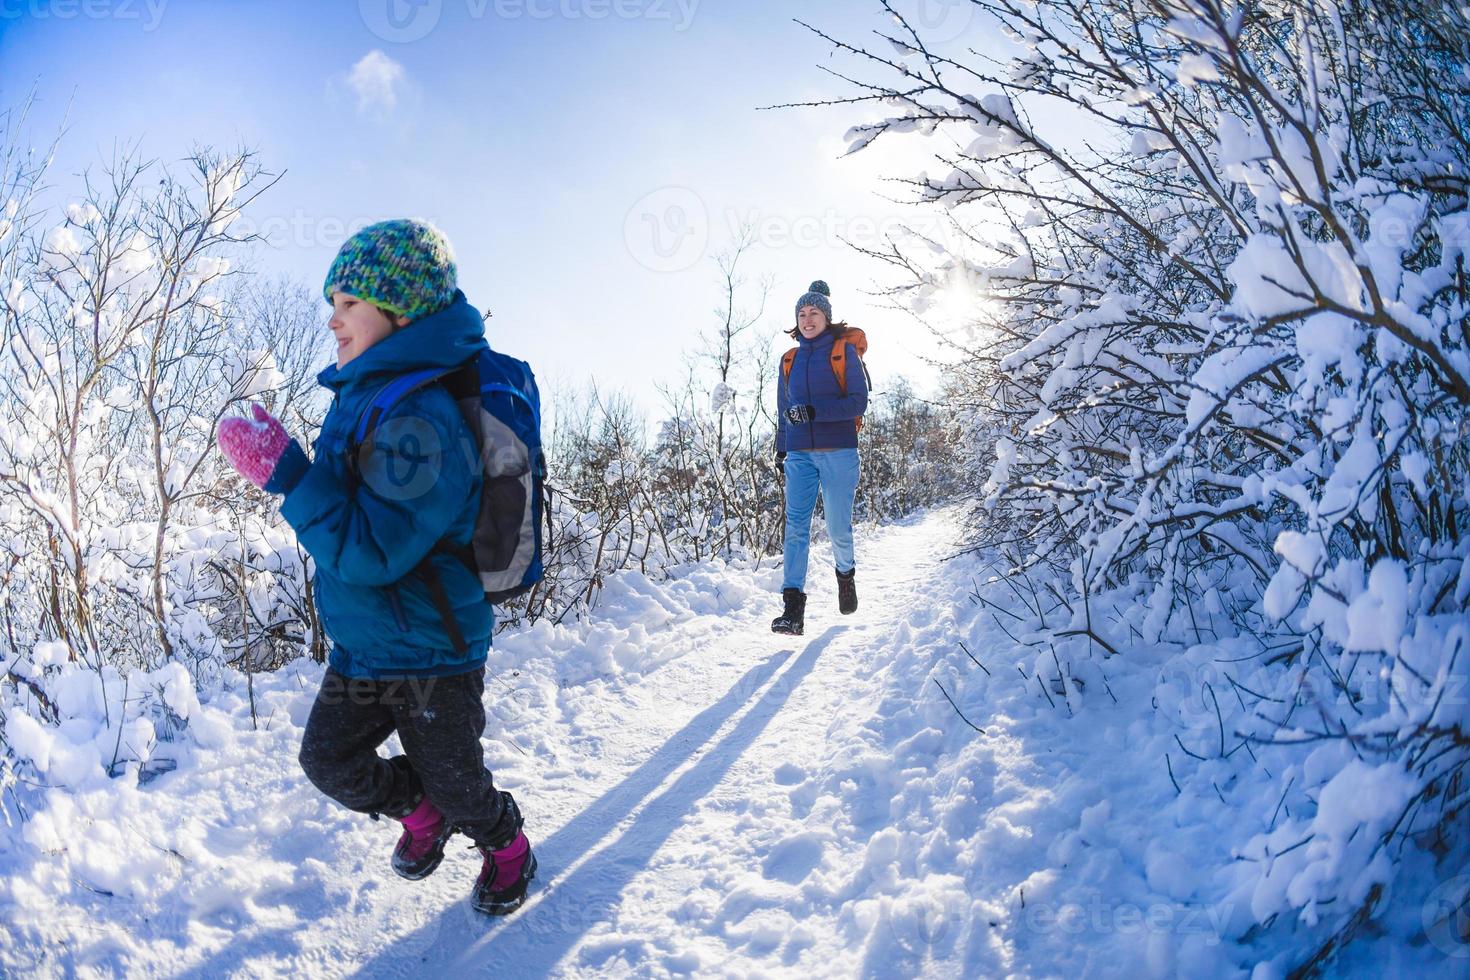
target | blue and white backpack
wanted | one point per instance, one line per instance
(498, 397)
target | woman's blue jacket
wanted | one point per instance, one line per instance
(812, 382)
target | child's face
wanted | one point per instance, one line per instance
(357, 325)
(811, 321)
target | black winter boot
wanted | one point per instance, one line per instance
(421, 847)
(425, 831)
(790, 621)
(847, 592)
(508, 868)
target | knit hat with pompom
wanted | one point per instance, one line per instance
(403, 266)
(816, 295)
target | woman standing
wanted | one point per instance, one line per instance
(821, 394)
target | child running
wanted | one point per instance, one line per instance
(409, 622)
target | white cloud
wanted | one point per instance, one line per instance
(376, 80)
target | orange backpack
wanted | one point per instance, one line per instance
(850, 335)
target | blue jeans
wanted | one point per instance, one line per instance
(835, 473)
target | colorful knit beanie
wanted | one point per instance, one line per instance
(404, 266)
(816, 295)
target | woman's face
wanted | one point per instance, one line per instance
(357, 325)
(810, 321)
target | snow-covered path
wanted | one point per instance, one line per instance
(691, 847)
(704, 798)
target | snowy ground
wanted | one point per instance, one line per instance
(704, 799)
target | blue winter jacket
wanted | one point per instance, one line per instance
(419, 485)
(812, 382)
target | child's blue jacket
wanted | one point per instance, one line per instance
(420, 484)
(813, 383)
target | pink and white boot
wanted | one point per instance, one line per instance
(507, 871)
(421, 847)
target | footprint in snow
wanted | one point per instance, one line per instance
(788, 774)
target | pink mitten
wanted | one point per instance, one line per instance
(255, 447)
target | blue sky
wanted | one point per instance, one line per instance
(585, 157)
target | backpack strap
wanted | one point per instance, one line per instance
(839, 365)
(429, 575)
(362, 439)
(391, 394)
(379, 405)
(516, 392)
(854, 336)
(788, 359)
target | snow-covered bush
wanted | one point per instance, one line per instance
(120, 356)
(910, 455)
(1220, 376)
(130, 548)
(715, 486)
(93, 724)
